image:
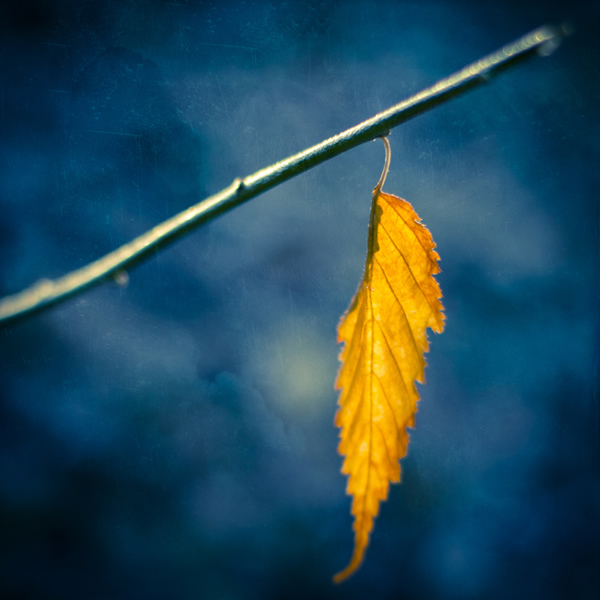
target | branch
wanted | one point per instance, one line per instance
(47, 293)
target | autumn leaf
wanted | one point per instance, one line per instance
(384, 336)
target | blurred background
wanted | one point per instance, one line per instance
(174, 438)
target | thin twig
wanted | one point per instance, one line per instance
(47, 293)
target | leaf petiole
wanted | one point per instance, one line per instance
(386, 164)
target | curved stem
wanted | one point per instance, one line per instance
(386, 164)
(47, 293)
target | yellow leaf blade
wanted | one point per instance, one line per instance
(384, 337)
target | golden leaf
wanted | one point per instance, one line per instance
(384, 336)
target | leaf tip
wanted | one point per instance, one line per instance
(352, 567)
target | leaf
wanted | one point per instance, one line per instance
(384, 336)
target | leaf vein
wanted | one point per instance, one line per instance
(409, 268)
(412, 335)
(413, 229)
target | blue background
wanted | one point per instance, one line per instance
(174, 438)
